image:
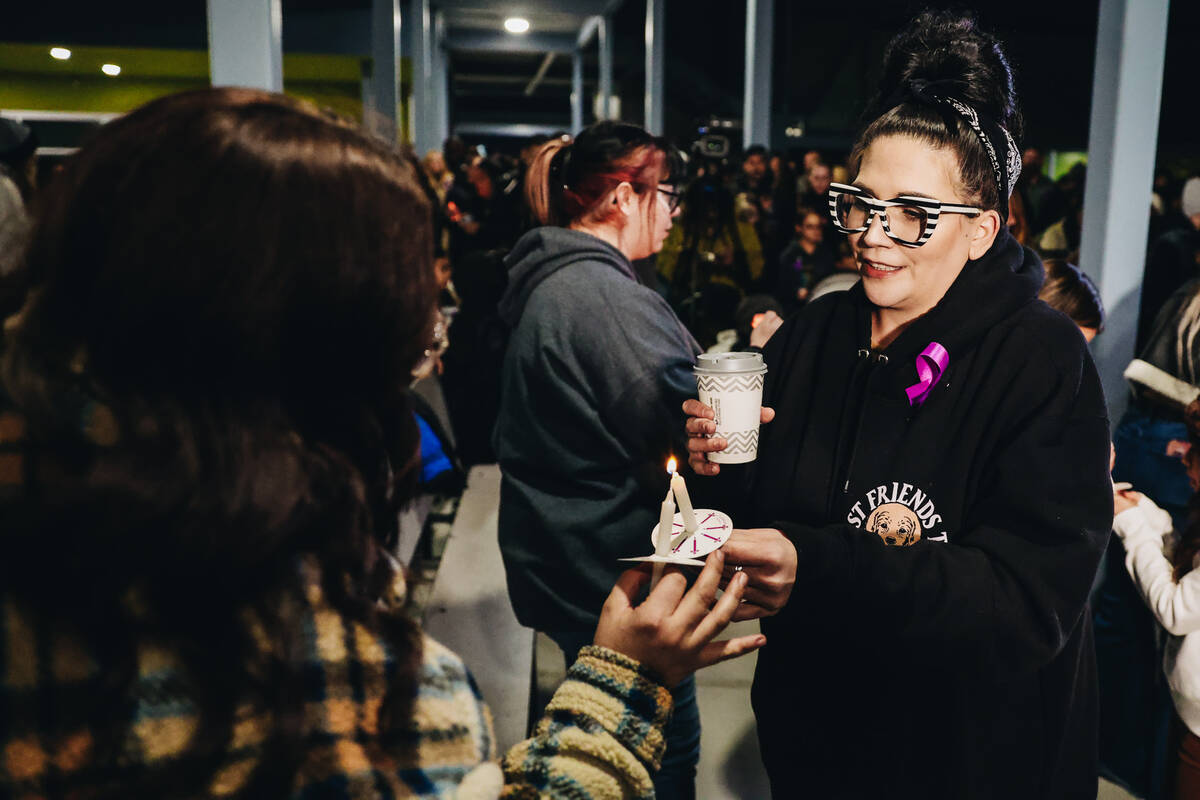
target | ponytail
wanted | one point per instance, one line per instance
(568, 178)
(544, 184)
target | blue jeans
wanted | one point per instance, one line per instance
(676, 779)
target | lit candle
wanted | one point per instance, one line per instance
(685, 502)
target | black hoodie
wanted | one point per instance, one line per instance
(936, 643)
(594, 378)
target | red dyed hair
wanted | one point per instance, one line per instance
(568, 179)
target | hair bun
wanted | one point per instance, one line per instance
(941, 47)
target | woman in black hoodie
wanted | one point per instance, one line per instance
(939, 461)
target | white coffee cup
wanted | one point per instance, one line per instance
(731, 385)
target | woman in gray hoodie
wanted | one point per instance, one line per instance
(596, 370)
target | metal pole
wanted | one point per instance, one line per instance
(540, 75)
(655, 33)
(382, 116)
(604, 33)
(245, 43)
(576, 93)
(1126, 90)
(756, 115)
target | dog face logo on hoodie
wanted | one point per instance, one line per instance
(899, 513)
(895, 523)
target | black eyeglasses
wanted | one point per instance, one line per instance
(906, 219)
(673, 197)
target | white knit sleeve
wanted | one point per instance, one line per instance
(1175, 605)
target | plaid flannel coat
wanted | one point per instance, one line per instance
(601, 736)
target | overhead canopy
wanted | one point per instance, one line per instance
(498, 78)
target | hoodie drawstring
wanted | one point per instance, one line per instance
(867, 361)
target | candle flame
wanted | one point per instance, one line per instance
(671, 463)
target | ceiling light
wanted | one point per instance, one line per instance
(61, 53)
(111, 70)
(516, 25)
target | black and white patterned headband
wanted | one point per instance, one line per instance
(996, 140)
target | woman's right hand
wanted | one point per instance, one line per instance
(672, 631)
(700, 426)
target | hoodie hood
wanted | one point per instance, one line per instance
(987, 291)
(543, 252)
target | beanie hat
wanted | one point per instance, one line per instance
(1191, 197)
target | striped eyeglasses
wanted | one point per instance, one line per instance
(906, 219)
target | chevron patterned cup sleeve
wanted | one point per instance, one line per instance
(736, 400)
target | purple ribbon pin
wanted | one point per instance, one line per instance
(930, 365)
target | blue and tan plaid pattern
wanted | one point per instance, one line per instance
(601, 737)
(49, 750)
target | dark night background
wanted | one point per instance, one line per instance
(826, 60)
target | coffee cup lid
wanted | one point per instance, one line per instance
(728, 363)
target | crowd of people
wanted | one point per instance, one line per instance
(215, 315)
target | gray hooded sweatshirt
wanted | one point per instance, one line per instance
(596, 372)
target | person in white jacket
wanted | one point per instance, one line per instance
(1162, 565)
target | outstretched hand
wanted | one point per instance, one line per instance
(672, 631)
(700, 426)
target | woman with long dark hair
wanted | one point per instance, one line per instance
(209, 437)
(940, 463)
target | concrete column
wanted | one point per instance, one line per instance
(381, 115)
(576, 92)
(245, 43)
(604, 36)
(760, 33)
(1126, 91)
(423, 107)
(441, 82)
(655, 74)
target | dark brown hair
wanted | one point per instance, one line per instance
(1068, 289)
(229, 294)
(940, 47)
(567, 178)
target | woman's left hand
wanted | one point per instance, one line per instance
(768, 558)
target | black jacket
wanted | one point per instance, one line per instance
(947, 654)
(1174, 259)
(595, 375)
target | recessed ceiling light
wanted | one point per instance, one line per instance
(111, 70)
(61, 53)
(516, 25)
